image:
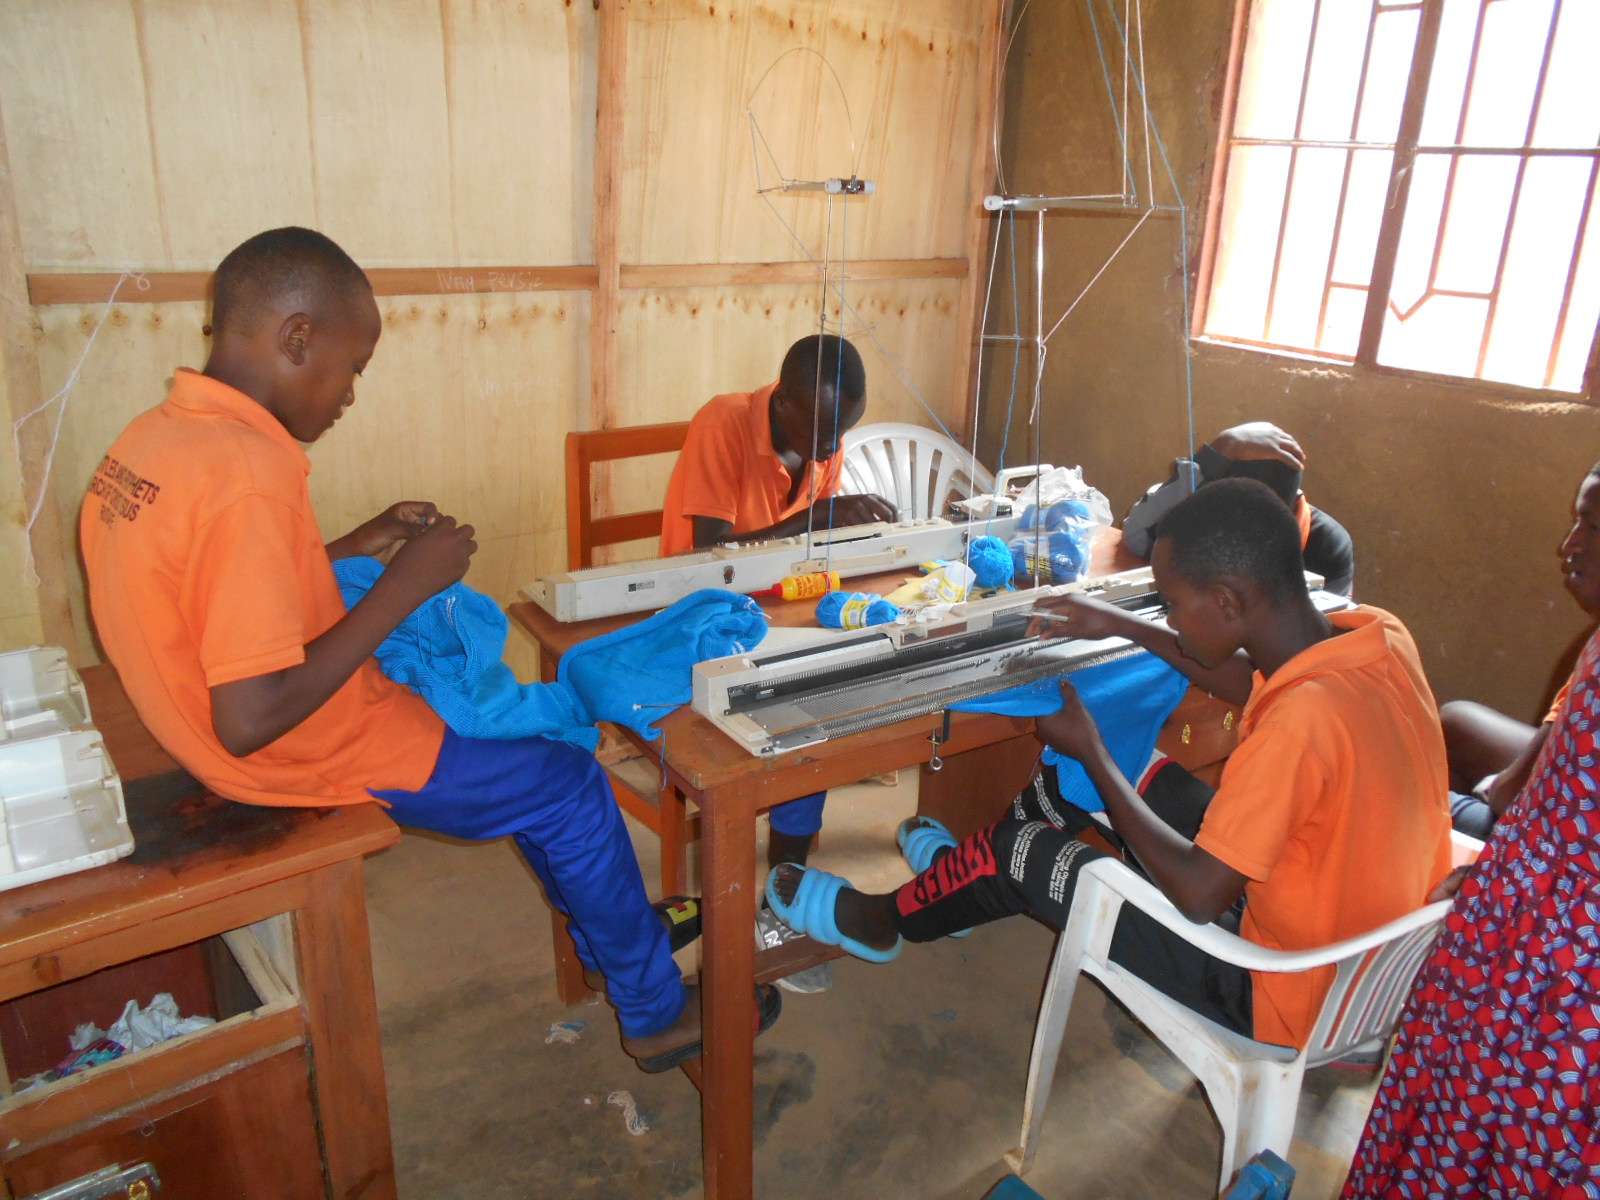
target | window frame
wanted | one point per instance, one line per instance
(1405, 152)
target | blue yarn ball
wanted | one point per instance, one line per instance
(868, 610)
(990, 560)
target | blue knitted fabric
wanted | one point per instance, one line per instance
(1129, 699)
(636, 675)
(450, 650)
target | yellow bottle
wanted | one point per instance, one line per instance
(804, 587)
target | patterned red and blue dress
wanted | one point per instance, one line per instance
(1493, 1090)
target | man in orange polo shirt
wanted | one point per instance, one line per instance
(1330, 818)
(215, 599)
(766, 464)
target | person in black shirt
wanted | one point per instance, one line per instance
(1256, 450)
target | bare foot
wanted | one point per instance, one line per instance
(869, 920)
(682, 1032)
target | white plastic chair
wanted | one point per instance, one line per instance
(1253, 1087)
(917, 470)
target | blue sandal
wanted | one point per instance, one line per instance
(811, 912)
(920, 839)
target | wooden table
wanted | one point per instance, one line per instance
(731, 786)
(283, 1098)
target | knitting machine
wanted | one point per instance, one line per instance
(851, 551)
(788, 695)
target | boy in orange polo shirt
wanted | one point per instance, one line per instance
(215, 599)
(766, 464)
(1329, 821)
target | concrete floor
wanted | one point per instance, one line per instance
(904, 1080)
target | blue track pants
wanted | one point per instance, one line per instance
(555, 802)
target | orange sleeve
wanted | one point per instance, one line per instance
(239, 596)
(712, 468)
(1561, 698)
(1267, 781)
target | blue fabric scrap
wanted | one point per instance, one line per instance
(450, 651)
(1130, 699)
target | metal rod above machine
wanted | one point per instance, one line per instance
(1106, 204)
(833, 187)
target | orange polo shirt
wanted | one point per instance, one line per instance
(1333, 806)
(206, 566)
(728, 470)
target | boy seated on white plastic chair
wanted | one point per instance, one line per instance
(1330, 818)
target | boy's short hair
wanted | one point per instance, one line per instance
(1239, 529)
(279, 264)
(826, 357)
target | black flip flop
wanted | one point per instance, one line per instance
(769, 1003)
(681, 916)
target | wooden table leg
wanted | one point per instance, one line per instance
(570, 986)
(727, 1098)
(335, 961)
(674, 820)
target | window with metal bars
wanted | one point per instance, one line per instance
(1411, 185)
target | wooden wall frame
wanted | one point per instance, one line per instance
(991, 84)
(175, 287)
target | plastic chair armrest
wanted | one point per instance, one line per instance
(1231, 948)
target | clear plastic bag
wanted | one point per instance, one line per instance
(1057, 545)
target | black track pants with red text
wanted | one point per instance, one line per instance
(1028, 862)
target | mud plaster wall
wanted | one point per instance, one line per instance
(1456, 494)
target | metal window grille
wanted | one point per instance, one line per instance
(1410, 185)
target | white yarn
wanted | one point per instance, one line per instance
(631, 1117)
(63, 394)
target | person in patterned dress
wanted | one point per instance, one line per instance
(1493, 1088)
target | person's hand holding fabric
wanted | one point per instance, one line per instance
(435, 558)
(377, 537)
(1070, 730)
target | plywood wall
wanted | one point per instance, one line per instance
(885, 89)
(895, 82)
(158, 134)
(153, 135)
(19, 602)
(688, 344)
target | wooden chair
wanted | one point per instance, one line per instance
(585, 531)
(635, 782)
